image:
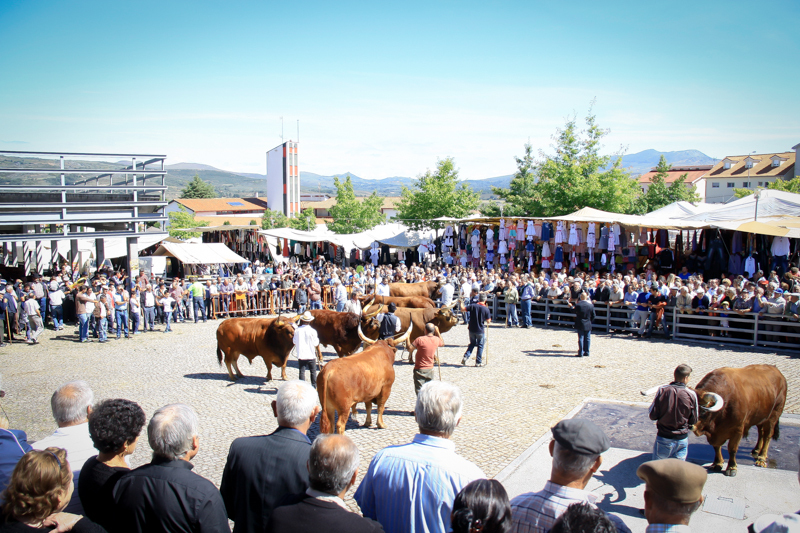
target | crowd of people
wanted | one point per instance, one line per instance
(79, 478)
(112, 304)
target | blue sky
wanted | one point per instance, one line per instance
(384, 89)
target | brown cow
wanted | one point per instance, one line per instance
(731, 401)
(414, 302)
(270, 338)
(424, 288)
(366, 377)
(340, 330)
(443, 318)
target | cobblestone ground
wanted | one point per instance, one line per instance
(531, 381)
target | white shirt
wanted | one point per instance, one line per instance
(466, 290)
(79, 446)
(383, 289)
(56, 297)
(447, 293)
(780, 246)
(149, 299)
(167, 303)
(305, 341)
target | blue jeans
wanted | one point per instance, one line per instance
(199, 307)
(339, 306)
(101, 329)
(525, 309)
(584, 342)
(136, 319)
(475, 339)
(167, 317)
(316, 304)
(83, 327)
(666, 448)
(57, 312)
(149, 318)
(122, 322)
(511, 315)
(43, 307)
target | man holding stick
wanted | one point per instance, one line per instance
(425, 356)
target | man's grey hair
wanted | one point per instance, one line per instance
(572, 464)
(70, 401)
(439, 407)
(674, 508)
(331, 463)
(171, 430)
(296, 401)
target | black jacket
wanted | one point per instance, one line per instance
(260, 471)
(388, 327)
(584, 315)
(304, 513)
(166, 496)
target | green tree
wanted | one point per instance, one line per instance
(576, 176)
(272, 219)
(198, 188)
(306, 220)
(519, 197)
(792, 185)
(351, 215)
(179, 220)
(660, 194)
(436, 194)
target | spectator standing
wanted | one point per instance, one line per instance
(332, 470)
(576, 450)
(425, 355)
(314, 295)
(3, 318)
(339, 294)
(165, 495)
(584, 316)
(121, 300)
(389, 323)
(482, 506)
(353, 305)
(56, 298)
(478, 316)
(261, 470)
(198, 293)
(40, 293)
(149, 301)
(168, 303)
(114, 427)
(673, 492)
(511, 297)
(411, 488)
(12, 310)
(34, 316)
(675, 410)
(71, 405)
(136, 309)
(101, 318)
(306, 343)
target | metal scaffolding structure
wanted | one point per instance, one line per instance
(54, 196)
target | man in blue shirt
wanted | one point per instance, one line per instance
(478, 314)
(410, 488)
(642, 311)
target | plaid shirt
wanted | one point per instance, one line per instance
(536, 512)
(667, 528)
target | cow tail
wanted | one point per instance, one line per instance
(324, 423)
(219, 354)
(776, 433)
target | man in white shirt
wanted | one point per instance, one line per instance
(339, 294)
(56, 297)
(306, 348)
(446, 291)
(71, 405)
(31, 308)
(382, 288)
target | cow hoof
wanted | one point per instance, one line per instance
(761, 462)
(381, 426)
(716, 468)
(754, 453)
(730, 472)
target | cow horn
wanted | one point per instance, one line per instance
(449, 306)
(718, 402)
(405, 336)
(364, 337)
(380, 307)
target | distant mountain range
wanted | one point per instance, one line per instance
(237, 184)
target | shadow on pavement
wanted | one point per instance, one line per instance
(550, 353)
(621, 476)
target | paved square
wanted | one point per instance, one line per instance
(532, 380)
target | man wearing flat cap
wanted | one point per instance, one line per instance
(673, 492)
(575, 449)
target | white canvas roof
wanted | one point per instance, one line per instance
(200, 253)
(771, 203)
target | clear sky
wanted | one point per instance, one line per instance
(385, 88)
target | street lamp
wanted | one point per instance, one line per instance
(757, 195)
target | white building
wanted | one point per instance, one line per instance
(748, 172)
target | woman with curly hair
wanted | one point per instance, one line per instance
(114, 426)
(481, 507)
(40, 487)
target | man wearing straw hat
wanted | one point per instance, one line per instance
(306, 345)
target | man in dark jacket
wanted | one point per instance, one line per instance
(584, 316)
(332, 470)
(675, 410)
(165, 495)
(390, 324)
(262, 470)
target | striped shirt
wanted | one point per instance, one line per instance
(411, 487)
(536, 512)
(667, 528)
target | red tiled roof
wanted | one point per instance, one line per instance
(219, 204)
(693, 174)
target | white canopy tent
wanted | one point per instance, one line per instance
(408, 239)
(200, 253)
(769, 203)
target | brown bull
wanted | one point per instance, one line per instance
(270, 338)
(366, 377)
(424, 288)
(443, 318)
(340, 330)
(414, 302)
(732, 400)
